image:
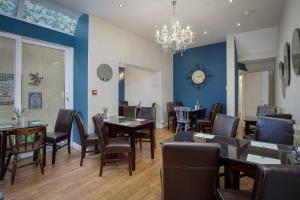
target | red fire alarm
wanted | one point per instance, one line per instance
(94, 92)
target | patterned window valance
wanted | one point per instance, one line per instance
(41, 15)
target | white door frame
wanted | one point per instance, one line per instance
(69, 54)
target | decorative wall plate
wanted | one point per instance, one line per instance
(282, 80)
(296, 51)
(287, 65)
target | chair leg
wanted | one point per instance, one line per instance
(7, 163)
(54, 153)
(101, 163)
(140, 142)
(40, 161)
(14, 169)
(130, 162)
(69, 145)
(168, 123)
(82, 155)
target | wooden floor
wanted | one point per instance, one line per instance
(67, 180)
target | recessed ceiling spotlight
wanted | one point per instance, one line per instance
(121, 5)
(230, 1)
(205, 32)
(238, 24)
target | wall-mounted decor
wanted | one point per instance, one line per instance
(104, 72)
(198, 76)
(6, 89)
(35, 100)
(296, 51)
(36, 79)
(282, 78)
(287, 65)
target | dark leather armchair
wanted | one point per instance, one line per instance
(118, 145)
(189, 171)
(225, 125)
(123, 103)
(275, 130)
(171, 115)
(86, 140)
(281, 116)
(206, 124)
(144, 134)
(272, 182)
(129, 111)
(265, 110)
(62, 131)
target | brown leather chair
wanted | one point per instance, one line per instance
(62, 131)
(189, 171)
(144, 134)
(129, 111)
(225, 125)
(272, 182)
(206, 124)
(275, 130)
(86, 140)
(22, 141)
(118, 145)
(171, 114)
(281, 116)
(123, 103)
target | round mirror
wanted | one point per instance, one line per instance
(104, 72)
(287, 64)
(296, 51)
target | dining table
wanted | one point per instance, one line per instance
(9, 128)
(249, 121)
(240, 155)
(130, 126)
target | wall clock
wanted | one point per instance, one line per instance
(198, 77)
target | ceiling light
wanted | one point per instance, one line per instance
(230, 1)
(205, 32)
(238, 24)
(121, 5)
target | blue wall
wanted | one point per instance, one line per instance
(213, 58)
(122, 85)
(80, 44)
(81, 71)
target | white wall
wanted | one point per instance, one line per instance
(290, 20)
(258, 44)
(113, 45)
(147, 90)
(230, 76)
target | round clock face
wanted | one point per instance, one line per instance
(198, 76)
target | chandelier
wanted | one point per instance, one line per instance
(174, 39)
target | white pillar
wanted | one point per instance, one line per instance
(230, 69)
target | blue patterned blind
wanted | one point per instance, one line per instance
(40, 15)
(9, 7)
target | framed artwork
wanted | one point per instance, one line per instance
(6, 89)
(35, 100)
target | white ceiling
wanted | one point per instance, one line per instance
(218, 17)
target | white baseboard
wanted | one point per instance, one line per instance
(76, 146)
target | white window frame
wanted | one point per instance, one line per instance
(69, 54)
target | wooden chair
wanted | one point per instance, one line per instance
(146, 113)
(182, 118)
(86, 140)
(171, 114)
(23, 141)
(206, 124)
(129, 111)
(118, 145)
(62, 131)
(123, 103)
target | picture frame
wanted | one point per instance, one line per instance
(35, 100)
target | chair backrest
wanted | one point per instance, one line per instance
(275, 130)
(26, 140)
(64, 121)
(265, 110)
(129, 111)
(123, 103)
(225, 125)
(182, 114)
(276, 182)
(282, 116)
(81, 128)
(100, 131)
(216, 108)
(190, 170)
(178, 103)
(153, 104)
(146, 113)
(170, 109)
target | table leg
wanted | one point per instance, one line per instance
(235, 180)
(3, 154)
(152, 143)
(132, 141)
(247, 127)
(44, 147)
(232, 177)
